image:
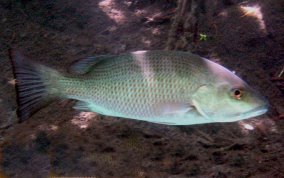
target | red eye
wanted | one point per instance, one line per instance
(237, 93)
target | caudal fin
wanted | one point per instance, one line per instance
(33, 85)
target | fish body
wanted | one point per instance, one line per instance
(166, 87)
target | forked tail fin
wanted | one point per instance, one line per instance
(35, 85)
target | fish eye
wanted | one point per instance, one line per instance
(237, 93)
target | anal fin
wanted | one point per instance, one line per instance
(82, 106)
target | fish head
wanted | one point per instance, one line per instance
(227, 98)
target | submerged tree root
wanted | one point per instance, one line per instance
(184, 29)
(279, 79)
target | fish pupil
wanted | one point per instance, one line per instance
(237, 92)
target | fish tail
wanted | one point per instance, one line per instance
(35, 85)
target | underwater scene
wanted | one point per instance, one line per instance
(142, 88)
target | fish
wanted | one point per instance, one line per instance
(163, 87)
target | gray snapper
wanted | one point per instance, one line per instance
(166, 87)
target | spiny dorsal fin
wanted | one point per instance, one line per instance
(84, 66)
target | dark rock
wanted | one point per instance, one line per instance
(151, 136)
(218, 157)
(193, 171)
(15, 155)
(108, 150)
(227, 2)
(219, 175)
(190, 158)
(157, 157)
(176, 169)
(42, 143)
(124, 134)
(159, 143)
(178, 153)
(238, 161)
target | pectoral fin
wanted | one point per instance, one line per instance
(201, 92)
(200, 111)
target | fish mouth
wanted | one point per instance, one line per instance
(256, 111)
(246, 115)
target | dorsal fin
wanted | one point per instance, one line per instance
(84, 66)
